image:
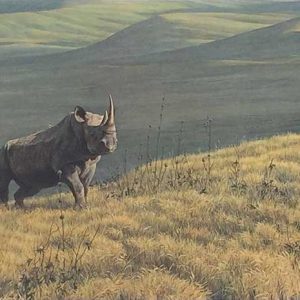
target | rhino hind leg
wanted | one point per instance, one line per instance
(22, 193)
(4, 195)
(5, 179)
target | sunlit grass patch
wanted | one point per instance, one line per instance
(150, 284)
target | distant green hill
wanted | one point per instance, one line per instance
(77, 24)
(177, 31)
(276, 41)
(74, 24)
(171, 31)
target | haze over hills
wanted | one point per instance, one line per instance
(247, 80)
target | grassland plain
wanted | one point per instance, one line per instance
(219, 226)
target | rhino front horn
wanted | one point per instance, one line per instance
(111, 115)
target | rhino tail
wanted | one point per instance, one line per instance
(3, 158)
(5, 171)
(5, 175)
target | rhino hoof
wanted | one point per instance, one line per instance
(19, 206)
(80, 206)
(4, 205)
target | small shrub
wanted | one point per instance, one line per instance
(56, 263)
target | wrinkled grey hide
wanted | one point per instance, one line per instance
(71, 148)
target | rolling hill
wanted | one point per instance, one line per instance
(169, 32)
(237, 239)
(74, 24)
(277, 41)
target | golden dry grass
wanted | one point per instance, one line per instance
(240, 239)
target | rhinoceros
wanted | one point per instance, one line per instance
(67, 152)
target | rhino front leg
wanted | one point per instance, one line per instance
(86, 178)
(70, 176)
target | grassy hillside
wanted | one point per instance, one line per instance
(224, 226)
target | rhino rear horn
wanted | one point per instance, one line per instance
(105, 119)
(80, 114)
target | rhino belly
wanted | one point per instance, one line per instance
(30, 163)
(33, 173)
(36, 178)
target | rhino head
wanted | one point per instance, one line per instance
(99, 131)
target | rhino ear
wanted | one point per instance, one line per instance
(80, 114)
